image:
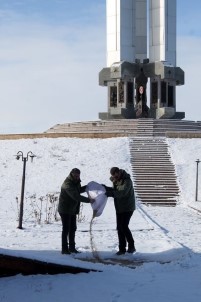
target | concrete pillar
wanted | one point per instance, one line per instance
(159, 93)
(126, 30)
(162, 31)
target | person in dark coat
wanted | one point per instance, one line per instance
(68, 208)
(124, 201)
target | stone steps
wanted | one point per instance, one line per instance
(129, 127)
(162, 203)
(153, 172)
(156, 192)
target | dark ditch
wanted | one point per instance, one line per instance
(11, 266)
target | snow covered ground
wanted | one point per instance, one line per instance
(167, 239)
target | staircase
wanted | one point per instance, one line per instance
(144, 127)
(121, 127)
(153, 172)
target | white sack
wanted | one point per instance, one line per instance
(97, 192)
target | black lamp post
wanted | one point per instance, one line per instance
(196, 189)
(24, 159)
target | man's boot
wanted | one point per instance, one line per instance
(64, 243)
(72, 248)
(131, 249)
(65, 252)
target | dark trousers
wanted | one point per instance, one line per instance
(69, 227)
(124, 233)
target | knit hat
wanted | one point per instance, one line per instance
(75, 170)
(114, 170)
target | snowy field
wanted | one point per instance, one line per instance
(167, 239)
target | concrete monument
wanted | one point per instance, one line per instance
(132, 64)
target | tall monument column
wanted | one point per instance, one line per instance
(162, 31)
(162, 52)
(126, 41)
(126, 30)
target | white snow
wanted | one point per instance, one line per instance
(167, 239)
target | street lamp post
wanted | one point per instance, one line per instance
(196, 189)
(24, 159)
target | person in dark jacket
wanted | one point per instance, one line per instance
(68, 208)
(124, 201)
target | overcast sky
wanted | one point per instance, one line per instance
(51, 52)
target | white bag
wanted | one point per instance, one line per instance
(97, 192)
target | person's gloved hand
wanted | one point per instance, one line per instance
(91, 200)
(109, 193)
(106, 187)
